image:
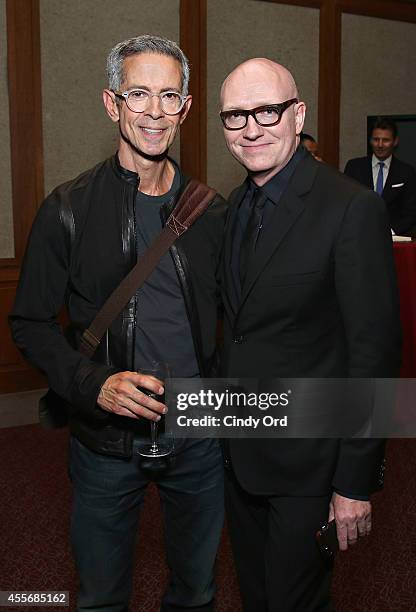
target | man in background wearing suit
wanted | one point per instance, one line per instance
(390, 177)
(309, 291)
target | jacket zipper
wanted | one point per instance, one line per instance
(181, 264)
(129, 435)
(135, 295)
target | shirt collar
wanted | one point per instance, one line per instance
(375, 161)
(278, 183)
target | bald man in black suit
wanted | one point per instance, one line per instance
(309, 291)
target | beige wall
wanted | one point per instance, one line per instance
(378, 64)
(240, 29)
(75, 39)
(6, 211)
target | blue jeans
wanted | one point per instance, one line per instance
(107, 495)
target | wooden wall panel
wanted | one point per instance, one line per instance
(396, 10)
(193, 41)
(307, 3)
(9, 355)
(329, 82)
(23, 53)
(18, 380)
(15, 374)
(23, 60)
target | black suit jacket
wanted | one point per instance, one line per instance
(399, 191)
(319, 300)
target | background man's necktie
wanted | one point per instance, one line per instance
(248, 244)
(380, 179)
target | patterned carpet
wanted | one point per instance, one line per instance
(379, 575)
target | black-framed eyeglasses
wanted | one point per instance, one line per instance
(138, 100)
(266, 115)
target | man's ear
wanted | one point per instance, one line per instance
(185, 109)
(110, 104)
(300, 114)
(396, 142)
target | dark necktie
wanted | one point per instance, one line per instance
(252, 231)
(380, 178)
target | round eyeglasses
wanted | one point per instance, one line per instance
(266, 116)
(137, 100)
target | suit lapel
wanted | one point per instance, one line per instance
(369, 173)
(391, 179)
(285, 215)
(287, 212)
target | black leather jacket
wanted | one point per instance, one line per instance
(80, 269)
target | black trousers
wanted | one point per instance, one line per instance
(278, 563)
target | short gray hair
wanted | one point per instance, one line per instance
(144, 44)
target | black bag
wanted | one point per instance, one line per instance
(53, 411)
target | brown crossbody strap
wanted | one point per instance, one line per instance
(192, 203)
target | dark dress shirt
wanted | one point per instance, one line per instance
(273, 189)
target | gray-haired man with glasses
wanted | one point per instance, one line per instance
(86, 238)
(309, 291)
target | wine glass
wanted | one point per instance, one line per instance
(155, 449)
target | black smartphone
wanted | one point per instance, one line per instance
(327, 540)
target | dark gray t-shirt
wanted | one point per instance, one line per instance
(163, 332)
